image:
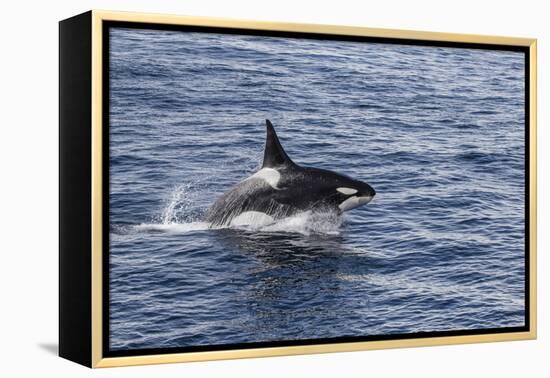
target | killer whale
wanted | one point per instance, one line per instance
(282, 188)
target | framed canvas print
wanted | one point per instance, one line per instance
(235, 189)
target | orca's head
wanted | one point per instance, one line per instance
(350, 193)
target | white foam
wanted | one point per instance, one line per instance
(175, 228)
(305, 223)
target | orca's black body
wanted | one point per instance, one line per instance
(283, 188)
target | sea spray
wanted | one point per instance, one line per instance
(177, 210)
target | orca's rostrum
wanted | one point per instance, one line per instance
(282, 188)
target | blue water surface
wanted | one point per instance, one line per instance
(438, 132)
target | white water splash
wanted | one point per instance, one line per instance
(306, 223)
(174, 228)
(180, 204)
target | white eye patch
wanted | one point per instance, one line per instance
(347, 191)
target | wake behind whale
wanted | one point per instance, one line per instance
(282, 189)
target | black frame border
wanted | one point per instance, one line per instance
(107, 25)
(75, 182)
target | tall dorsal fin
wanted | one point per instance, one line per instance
(274, 155)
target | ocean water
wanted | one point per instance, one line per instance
(438, 132)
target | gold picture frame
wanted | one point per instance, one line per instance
(88, 329)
